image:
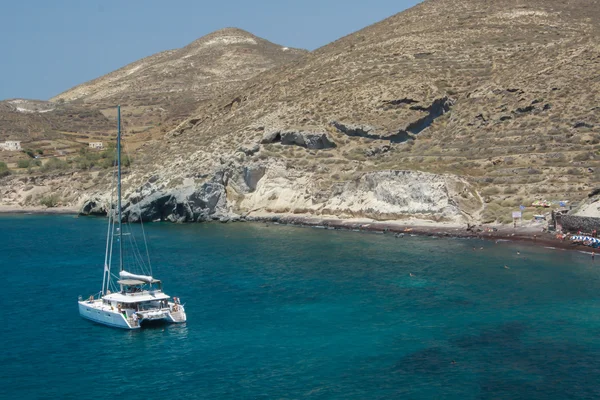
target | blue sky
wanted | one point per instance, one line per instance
(47, 47)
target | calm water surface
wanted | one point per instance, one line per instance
(284, 312)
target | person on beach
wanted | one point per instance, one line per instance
(593, 254)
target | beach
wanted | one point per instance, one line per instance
(529, 233)
(4, 209)
(532, 233)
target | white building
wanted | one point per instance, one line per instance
(11, 145)
(97, 145)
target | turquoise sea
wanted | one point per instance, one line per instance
(298, 313)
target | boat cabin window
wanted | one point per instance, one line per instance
(134, 289)
(132, 286)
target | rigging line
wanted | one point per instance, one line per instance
(146, 244)
(125, 148)
(135, 257)
(112, 212)
(135, 247)
(110, 237)
(140, 258)
(105, 267)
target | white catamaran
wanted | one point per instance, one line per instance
(139, 297)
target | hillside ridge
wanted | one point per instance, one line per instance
(185, 69)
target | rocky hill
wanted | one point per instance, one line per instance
(156, 93)
(496, 95)
(454, 110)
(170, 85)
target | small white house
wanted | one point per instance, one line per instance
(97, 145)
(11, 145)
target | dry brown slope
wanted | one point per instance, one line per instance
(154, 92)
(503, 93)
(222, 57)
(30, 120)
(169, 85)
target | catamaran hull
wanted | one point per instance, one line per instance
(104, 317)
(95, 312)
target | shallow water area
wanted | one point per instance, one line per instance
(288, 312)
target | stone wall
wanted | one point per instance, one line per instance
(573, 223)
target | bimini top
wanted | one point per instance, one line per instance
(136, 297)
(130, 282)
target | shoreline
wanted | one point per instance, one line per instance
(532, 234)
(38, 210)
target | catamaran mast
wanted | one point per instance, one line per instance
(119, 188)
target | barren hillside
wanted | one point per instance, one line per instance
(28, 120)
(169, 85)
(492, 103)
(156, 93)
(502, 94)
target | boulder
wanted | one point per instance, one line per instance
(187, 204)
(249, 149)
(309, 140)
(94, 206)
(315, 141)
(271, 137)
(253, 174)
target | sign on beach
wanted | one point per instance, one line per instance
(517, 214)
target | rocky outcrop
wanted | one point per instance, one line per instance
(378, 195)
(250, 149)
(438, 108)
(252, 175)
(94, 206)
(368, 132)
(399, 194)
(271, 187)
(309, 140)
(187, 204)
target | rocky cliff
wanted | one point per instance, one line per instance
(239, 190)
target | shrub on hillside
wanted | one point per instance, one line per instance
(50, 200)
(490, 191)
(4, 171)
(29, 152)
(89, 159)
(54, 164)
